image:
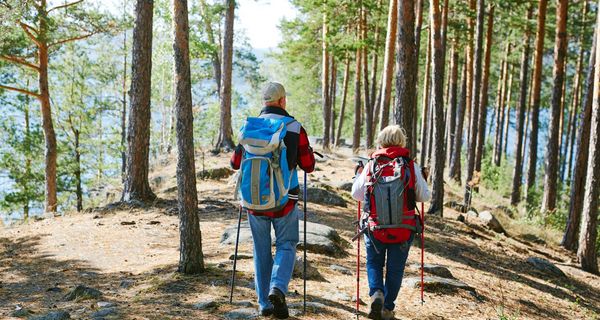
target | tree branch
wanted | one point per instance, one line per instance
(29, 27)
(72, 39)
(25, 28)
(23, 91)
(20, 61)
(65, 5)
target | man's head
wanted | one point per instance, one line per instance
(273, 95)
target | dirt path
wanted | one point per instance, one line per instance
(130, 255)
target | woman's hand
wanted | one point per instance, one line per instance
(425, 173)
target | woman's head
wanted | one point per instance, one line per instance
(391, 136)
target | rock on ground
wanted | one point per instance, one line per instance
(456, 206)
(215, 173)
(323, 196)
(206, 305)
(346, 186)
(310, 306)
(243, 313)
(312, 273)
(340, 269)
(507, 210)
(434, 283)
(240, 256)
(491, 222)
(434, 269)
(105, 313)
(319, 238)
(82, 292)
(53, 315)
(546, 266)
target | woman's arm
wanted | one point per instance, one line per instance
(358, 186)
(421, 189)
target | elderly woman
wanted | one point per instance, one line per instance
(390, 185)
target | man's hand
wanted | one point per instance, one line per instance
(425, 173)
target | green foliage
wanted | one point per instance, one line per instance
(494, 177)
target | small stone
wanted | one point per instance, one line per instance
(54, 289)
(472, 214)
(434, 283)
(460, 218)
(243, 303)
(244, 313)
(434, 269)
(21, 313)
(105, 304)
(53, 315)
(491, 222)
(360, 302)
(82, 293)
(339, 296)
(340, 269)
(240, 256)
(126, 283)
(310, 306)
(346, 186)
(312, 273)
(153, 222)
(206, 305)
(102, 313)
(546, 266)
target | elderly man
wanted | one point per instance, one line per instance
(272, 275)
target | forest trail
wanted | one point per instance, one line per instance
(130, 254)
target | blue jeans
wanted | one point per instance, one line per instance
(268, 272)
(397, 253)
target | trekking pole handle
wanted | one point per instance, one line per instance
(318, 154)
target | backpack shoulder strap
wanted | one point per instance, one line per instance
(412, 179)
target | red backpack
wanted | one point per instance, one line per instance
(390, 199)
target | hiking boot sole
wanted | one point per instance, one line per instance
(280, 309)
(375, 312)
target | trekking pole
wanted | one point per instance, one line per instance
(422, 249)
(305, 218)
(237, 241)
(358, 265)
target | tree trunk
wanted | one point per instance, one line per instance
(499, 134)
(28, 149)
(49, 134)
(343, 106)
(455, 160)
(508, 103)
(374, 92)
(438, 153)
(535, 106)
(472, 148)
(325, 86)
(214, 51)
(418, 10)
(452, 99)
(425, 104)
(357, 104)
(587, 252)
(225, 140)
(332, 98)
(515, 196)
(483, 99)
(470, 57)
(560, 51)
(388, 63)
(124, 111)
(138, 132)
(78, 189)
(569, 240)
(367, 101)
(191, 259)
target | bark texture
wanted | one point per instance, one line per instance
(325, 86)
(191, 259)
(455, 160)
(225, 140)
(138, 131)
(552, 155)
(388, 63)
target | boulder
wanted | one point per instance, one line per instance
(206, 305)
(434, 283)
(82, 293)
(243, 313)
(346, 186)
(491, 222)
(434, 269)
(320, 238)
(546, 267)
(323, 196)
(215, 173)
(456, 206)
(312, 273)
(105, 313)
(472, 214)
(53, 315)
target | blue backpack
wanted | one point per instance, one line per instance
(265, 175)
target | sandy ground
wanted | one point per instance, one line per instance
(131, 254)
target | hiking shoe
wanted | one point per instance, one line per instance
(387, 314)
(266, 312)
(280, 308)
(376, 305)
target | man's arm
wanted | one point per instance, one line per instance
(306, 158)
(236, 157)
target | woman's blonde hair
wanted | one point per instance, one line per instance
(392, 136)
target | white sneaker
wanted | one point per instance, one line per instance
(387, 314)
(376, 305)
